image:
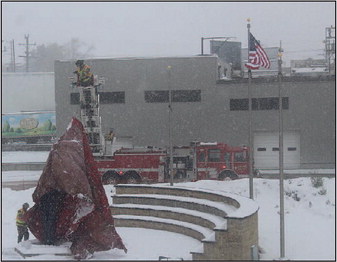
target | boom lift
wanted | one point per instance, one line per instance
(90, 115)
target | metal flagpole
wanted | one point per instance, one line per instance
(250, 139)
(282, 241)
(170, 126)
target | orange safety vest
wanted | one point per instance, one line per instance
(20, 218)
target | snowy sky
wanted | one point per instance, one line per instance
(119, 29)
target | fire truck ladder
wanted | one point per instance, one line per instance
(90, 117)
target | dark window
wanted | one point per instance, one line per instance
(202, 157)
(240, 157)
(75, 98)
(156, 96)
(177, 96)
(186, 96)
(261, 149)
(112, 97)
(227, 158)
(267, 103)
(238, 104)
(275, 149)
(285, 102)
(104, 97)
(214, 155)
(291, 148)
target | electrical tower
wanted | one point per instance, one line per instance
(27, 52)
(330, 51)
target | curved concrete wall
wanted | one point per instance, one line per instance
(232, 240)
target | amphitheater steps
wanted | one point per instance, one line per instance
(225, 224)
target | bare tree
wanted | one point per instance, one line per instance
(44, 56)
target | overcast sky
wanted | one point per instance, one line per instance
(118, 29)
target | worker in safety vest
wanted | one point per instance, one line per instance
(84, 76)
(21, 223)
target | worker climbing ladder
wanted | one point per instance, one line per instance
(90, 115)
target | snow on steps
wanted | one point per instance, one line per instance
(202, 205)
(180, 207)
(173, 225)
(206, 220)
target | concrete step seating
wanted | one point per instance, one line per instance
(201, 214)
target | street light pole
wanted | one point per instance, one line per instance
(170, 126)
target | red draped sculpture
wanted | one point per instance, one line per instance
(83, 215)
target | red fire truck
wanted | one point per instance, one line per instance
(133, 165)
(190, 163)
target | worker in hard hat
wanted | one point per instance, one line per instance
(21, 223)
(84, 76)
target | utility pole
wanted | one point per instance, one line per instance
(330, 43)
(13, 56)
(282, 238)
(27, 52)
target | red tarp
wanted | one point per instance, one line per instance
(84, 217)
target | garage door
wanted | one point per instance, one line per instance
(266, 150)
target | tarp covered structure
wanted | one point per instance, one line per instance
(83, 214)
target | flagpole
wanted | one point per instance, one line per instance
(282, 238)
(250, 138)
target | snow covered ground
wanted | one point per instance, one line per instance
(309, 218)
(24, 156)
(309, 222)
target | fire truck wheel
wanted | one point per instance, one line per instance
(111, 178)
(180, 175)
(228, 175)
(132, 178)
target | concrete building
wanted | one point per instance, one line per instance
(134, 101)
(28, 92)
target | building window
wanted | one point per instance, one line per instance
(156, 96)
(186, 96)
(285, 102)
(275, 149)
(261, 149)
(112, 97)
(238, 104)
(177, 96)
(240, 157)
(267, 103)
(292, 148)
(75, 98)
(202, 157)
(214, 155)
(104, 98)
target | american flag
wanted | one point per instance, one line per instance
(257, 56)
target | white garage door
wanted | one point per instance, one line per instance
(266, 150)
